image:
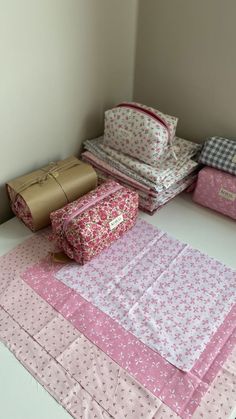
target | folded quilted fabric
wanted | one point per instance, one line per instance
(149, 201)
(167, 171)
(158, 179)
(220, 153)
(94, 147)
(98, 163)
(150, 204)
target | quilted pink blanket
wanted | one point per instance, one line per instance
(171, 260)
(149, 200)
(80, 376)
(170, 296)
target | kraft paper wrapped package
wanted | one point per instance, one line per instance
(35, 195)
(85, 227)
(216, 190)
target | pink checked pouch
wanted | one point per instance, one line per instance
(85, 227)
(139, 131)
(216, 190)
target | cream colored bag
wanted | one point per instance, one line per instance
(139, 131)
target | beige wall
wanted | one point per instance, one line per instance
(62, 62)
(186, 63)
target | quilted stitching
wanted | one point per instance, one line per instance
(219, 153)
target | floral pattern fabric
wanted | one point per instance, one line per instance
(151, 204)
(90, 232)
(180, 391)
(216, 190)
(171, 297)
(158, 179)
(98, 163)
(20, 208)
(79, 375)
(83, 379)
(173, 168)
(149, 200)
(140, 131)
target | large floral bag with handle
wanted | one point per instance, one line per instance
(140, 131)
(85, 227)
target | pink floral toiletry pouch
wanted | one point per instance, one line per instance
(216, 190)
(85, 227)
(140, 131)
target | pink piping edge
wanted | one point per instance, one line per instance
(90, 204)
(147, 112)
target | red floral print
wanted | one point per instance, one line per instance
(87, 234)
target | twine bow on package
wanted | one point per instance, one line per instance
(35, 195)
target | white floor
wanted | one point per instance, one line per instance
(21, 397)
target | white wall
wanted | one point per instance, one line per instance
(186, 63)
(62, 62)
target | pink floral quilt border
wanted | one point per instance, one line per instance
(181, 391)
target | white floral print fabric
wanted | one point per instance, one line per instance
(166, 171)
(149, 201)
(173, 298)
(140, 131)
(72, 369)
(157, 179)
(151, 204)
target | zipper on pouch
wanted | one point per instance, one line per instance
(147, 112)
(90, 204)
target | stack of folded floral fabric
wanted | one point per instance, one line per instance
(155, 185)
(158, 171)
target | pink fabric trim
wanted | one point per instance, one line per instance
(88, 205)
(181, 391)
